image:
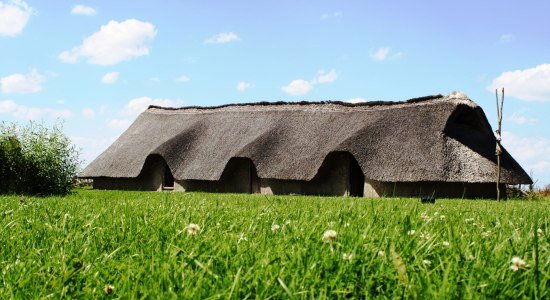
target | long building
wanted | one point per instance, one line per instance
(436, 145)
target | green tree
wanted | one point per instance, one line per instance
(36, 159)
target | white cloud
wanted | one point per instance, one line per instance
(301, 87)
(532, 153)
(520, 119)
(380, 54)
(110, 78)
(357, 100)
(88, 113)
(137, 105)
(222, 38)
(70, 57)
(31, 113)
(22, 84)
(507, 38)
(384, 53)
(14, 16)
(121, 124)
(154, 79)
(113, 43)
(323, 77)
(182, 78)
(7, 106)
(297, 87)
(83, 10)
(334, 15)
(531, 84)
(243, 86)
(91, 147)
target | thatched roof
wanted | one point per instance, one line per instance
(432, 138)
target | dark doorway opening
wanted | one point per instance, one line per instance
(356, 178)
(339, 175)
(239, 176)
(168, 181)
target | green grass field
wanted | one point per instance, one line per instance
(96, 244)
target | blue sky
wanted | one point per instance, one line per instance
(97, 64)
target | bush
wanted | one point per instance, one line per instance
(10, 159)
(37, 160)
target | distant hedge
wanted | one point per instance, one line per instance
(36, 159)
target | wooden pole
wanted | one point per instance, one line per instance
(498, 150)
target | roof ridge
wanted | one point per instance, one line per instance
(303, 103)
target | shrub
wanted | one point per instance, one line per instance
(10, 159)
(36, 159)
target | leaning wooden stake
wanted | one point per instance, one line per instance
(498, 150)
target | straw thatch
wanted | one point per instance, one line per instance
(429, 139)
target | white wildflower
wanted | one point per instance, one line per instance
(442, 218)
(424, 236)
(381, 253)
(193, 229)
(329, 236)
(517, 263)
(242, 237)
(468, 220)
(470, 257)
(108, 289)
(426, 262)
(485, 234)
(446, 244)
(348, 257)
(411, 232)
(275, 227)
(539, 232)
(425, 217)
(287, 222)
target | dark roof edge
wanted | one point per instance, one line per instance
(342, 103)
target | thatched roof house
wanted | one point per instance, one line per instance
(436, 144)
